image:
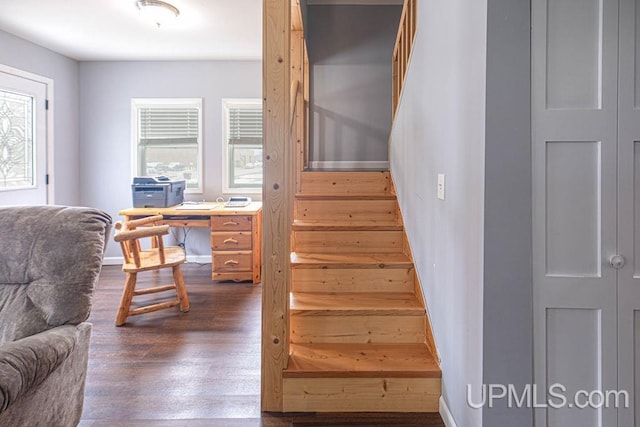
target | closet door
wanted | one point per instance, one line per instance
(629, 211)
(574, 138)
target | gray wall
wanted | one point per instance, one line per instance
(106, 89)
(18, 53)
(440, 128)
(473, 250)
(508, 276)
(350, 50)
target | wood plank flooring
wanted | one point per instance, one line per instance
(200, 368)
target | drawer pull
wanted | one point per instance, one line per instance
(231, 223)
(231, 262)
(231, 240)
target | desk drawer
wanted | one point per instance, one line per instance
(234, 240)
(231, 223)
(232, 261)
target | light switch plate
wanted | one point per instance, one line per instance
(441, 186)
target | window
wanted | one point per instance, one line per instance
(242, 133)
(167, 135)
(16, 141)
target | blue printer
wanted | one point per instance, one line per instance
(157, 192)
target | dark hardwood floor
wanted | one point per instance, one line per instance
(200, 368)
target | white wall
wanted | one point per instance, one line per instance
(106, 89)
(18, 53)
(440, 128)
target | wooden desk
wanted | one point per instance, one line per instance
(236, 236)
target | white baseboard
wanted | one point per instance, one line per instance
(330, 164)
(112, 260)
(445, 413)
(199, 259)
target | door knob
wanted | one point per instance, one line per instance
(617, 261)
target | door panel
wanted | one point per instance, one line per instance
(636, 210)
(628, 41)
(629, 210)
(574, 138)
(572, 211)
(23, 144)
(573, 78)
(634, 399)
(573, 352)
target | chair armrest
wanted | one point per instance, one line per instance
(158, 230)
(143, 221)
(26, 363)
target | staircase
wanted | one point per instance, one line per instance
(360, 339)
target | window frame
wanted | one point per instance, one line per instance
(138, 103)
(226, 184)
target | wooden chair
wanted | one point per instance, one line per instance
(137, 259)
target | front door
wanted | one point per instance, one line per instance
(23, 139)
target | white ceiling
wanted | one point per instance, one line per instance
(355, 2)
(95, 30)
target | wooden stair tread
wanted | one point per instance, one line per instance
(345, 170)
(355, 303)
(350, 260)
(346, 196)
(372, 225)
(361, 360)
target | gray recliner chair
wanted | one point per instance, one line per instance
(50, 259)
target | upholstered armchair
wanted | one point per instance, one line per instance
(50, 259)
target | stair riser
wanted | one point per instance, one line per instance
(348, 241)
(357, 261)
(361, 394)
(352, 280)
(357, 329)
(333, 183)
(346, 210)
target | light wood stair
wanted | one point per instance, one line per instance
(360, 339)
(345, 183)
(357, 361)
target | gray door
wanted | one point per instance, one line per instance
(574, 148)
(629, 211)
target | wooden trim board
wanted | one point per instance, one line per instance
(277, 199)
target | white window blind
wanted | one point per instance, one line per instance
(243, 145)
(168, 139)
(169, 125)
(245, 124)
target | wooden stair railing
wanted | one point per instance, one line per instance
(403, 48)
(293, 102)
(298, 101)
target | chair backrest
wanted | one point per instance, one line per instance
(128, 234)
(50, 259)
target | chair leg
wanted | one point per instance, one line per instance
(127, 297)
(181, 290)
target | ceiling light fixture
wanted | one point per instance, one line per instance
(158, 11)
